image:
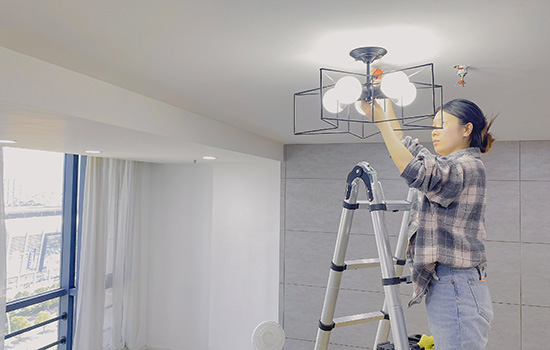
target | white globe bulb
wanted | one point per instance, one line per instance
(408, 95)
(348, 89)
(331, 103)
(393, 84)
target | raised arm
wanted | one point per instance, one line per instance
(393, 119)
(400, 155)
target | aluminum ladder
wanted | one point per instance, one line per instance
(391, 316)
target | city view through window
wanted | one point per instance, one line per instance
(33, 195)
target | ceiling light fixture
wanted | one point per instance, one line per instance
(340, 93)
(93, 152)
(208, 158)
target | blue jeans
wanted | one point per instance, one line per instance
(459, 308)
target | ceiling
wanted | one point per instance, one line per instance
(43, 130)
(240, 62)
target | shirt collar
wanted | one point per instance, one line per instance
(472, 151)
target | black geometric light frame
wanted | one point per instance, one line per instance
(417, 116)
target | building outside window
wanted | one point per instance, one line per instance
(34, 217)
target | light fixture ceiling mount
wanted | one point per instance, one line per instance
(368, 54)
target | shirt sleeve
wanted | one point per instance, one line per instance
(440, 179)
(413, 145)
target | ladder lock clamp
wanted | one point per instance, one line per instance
(395, 280)
(338, 268)
(379, 206)
(351, 206)
(401, 262)
(391, 281)
(326, 328)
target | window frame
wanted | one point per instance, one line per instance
(73, 183)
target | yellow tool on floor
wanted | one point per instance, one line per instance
(426, 342)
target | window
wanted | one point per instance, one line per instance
(40, 198)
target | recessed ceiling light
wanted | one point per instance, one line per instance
(208, 158)
(8, 141)
(93, 152)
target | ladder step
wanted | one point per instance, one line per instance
(364, 263)
(360, 318)
(391, 205)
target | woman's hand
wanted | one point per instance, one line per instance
(400, 155)
(379, 114)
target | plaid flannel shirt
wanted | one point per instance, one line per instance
(447, 222)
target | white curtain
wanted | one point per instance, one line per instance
(109, 299)
(2, 254)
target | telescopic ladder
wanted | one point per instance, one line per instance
(391, 316)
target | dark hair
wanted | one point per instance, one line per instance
(469, 112)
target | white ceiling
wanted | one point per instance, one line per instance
(241, 61)
(44, 130)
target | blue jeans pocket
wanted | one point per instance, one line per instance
(482, 298)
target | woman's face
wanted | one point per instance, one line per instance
(452, 137)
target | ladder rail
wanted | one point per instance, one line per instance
(326, 323)
(391, 291)
(383, 331)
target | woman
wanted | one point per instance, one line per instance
(447, 240)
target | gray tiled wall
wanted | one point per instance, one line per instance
(518, 247)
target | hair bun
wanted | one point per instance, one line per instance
(487, 138)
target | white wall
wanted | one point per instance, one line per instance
(179, 255)
(244, 284)
(142, 312)
(214, 254)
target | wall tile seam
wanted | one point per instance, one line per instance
(494, 302)
(397, 178)
(517, 242)
(534, 243)
(497, 302)
(520, 304)
(521, 245)
(300, 339)
(397, 235)
(364, 143)
(341, 288)
(381, 291)
(491, 178)
(500, 241)
(405, 294)
(400, 179)
(536, 306)
(344, 178)
(501, 180)
(282, 245)
(335, 233)
(329, 232)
